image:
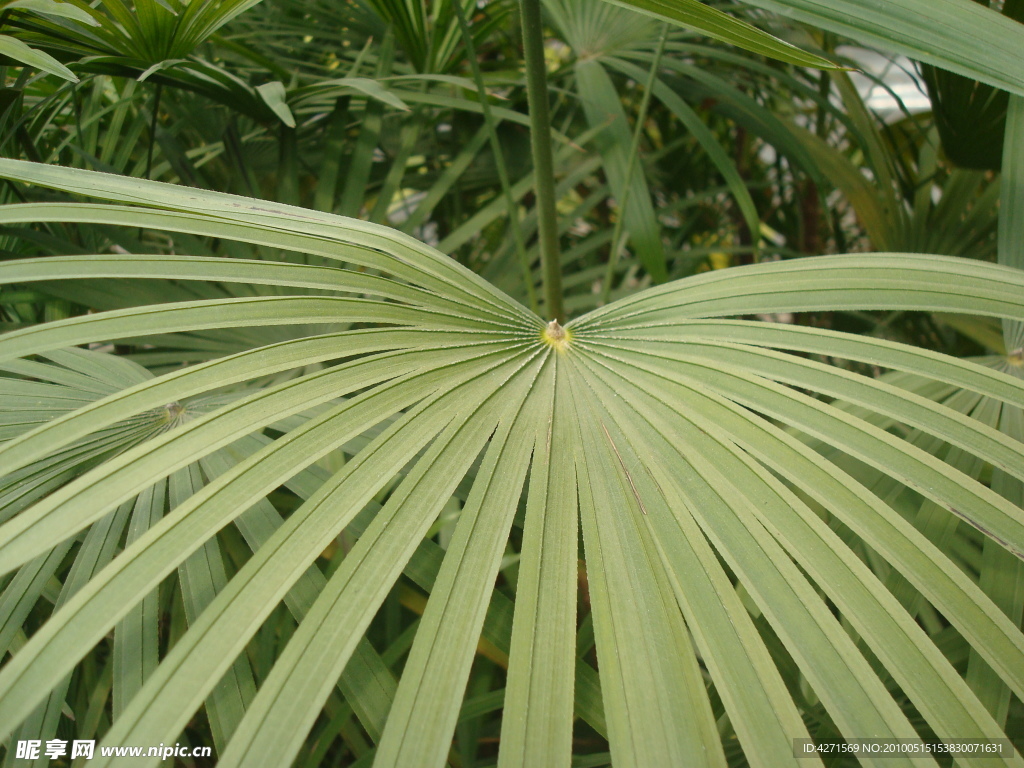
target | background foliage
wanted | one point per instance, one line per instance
(292, 465)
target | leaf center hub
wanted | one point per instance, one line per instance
(555, 336)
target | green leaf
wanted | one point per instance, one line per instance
(537, 727)
(276, 98)
(1011, 220)
(721, 26)
(33, 57)
(440, 659)
(54, 8)
(967, 38)
(288, 703)
(654, 696)
(768, 540)
(604, 112)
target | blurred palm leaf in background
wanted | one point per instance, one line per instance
(971, 116)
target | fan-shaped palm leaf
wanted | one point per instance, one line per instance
(679, 442)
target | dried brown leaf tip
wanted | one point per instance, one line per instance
(556, 336)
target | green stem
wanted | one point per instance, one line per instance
(618, 241)
(543, 162)
(499, 160)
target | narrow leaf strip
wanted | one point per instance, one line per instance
(654, 698)
(438, 666)
(291, 698)
(537, 717)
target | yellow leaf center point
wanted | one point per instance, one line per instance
(555, 336)
(1016, 358)
(174, 413)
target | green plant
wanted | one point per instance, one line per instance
(768, 540)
